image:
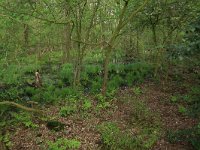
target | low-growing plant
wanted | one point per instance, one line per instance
(25, 119)
(182, 109)
(137, 90)
(87, 104)
(115, 82)
(102, 103)
(174, 99)
(66, 74)
(13, 93)
(191, 135)
(68, 110)
(63, 144)
(113, 138)
(6, 140)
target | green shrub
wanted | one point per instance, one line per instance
(63, 144)
(66, 73)
(96, 85)
(29, 91)
(115, 82)
(11, 74)
(92, 70)
(13, 93)
(119, 75)
(194, 102)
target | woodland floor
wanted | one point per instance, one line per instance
(83, 127)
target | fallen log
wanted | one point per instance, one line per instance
(21, 107)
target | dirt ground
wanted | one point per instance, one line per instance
(83, 128)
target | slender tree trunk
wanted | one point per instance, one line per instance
(81, 51)
(67, 36)
(26, 36)
(77, 63)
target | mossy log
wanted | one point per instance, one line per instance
(22, 107)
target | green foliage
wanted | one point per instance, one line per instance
(87, 104)
(6, 139)
(13, 93)
(182, 109)
(25, 119)
(114, 139)
(50, 93)
(96, 85)
(11, 74)
(141, 113)
(63, 144)
(115, 82)
(146, 121)
(92, 70)
(194, 101)
(102, 102)
(55, 125)
(68, 110)
(119, 75)
(191, 135)
(66, 74)
(174, 99)
(193, 38)
(137, 90)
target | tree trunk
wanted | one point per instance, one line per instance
(81, 51)
(26, 36)
(67, 36)
(108, 49)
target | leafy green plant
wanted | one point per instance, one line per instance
(174, 99)
(115, 82)
(63, 144)
(66, 73)
(182, 109)
(68, 110)
(137, 90)
(191, 135)
(113, 138)
(6, 139)
(87, 104)
(13, 93)
(25, 119)
(102, 102)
